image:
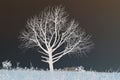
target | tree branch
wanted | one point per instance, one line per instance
(62, 41)
(39, 43)
(58, 53)
(55, 31)
(44, 61)
(46, 43)
(43, 53)
(51, 39)
(45, 57)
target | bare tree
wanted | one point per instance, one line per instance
(55, 35)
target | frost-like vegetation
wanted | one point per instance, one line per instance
(68, 73)
(30, 74)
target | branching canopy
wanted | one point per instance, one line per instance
(52, 29)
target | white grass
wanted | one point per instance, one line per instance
(22, 74)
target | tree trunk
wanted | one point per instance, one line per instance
(51, 66)
(50, 62)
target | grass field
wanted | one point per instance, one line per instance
(22, 74)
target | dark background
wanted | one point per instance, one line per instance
(101, 18)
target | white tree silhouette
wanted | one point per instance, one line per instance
(55, 35)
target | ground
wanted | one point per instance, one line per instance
(29, 74)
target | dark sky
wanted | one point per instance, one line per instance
(101, 18)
